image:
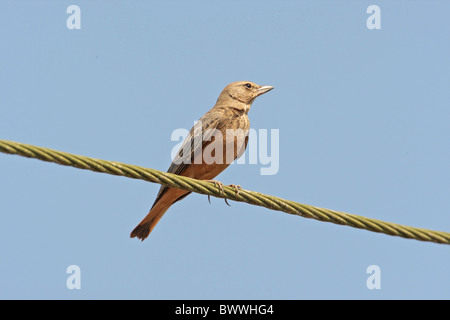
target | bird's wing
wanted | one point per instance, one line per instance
(196, 140)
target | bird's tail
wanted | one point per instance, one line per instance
(146, 226)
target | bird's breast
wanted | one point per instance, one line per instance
(235, 137)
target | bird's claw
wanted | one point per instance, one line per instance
(218, 184)
(236, 188)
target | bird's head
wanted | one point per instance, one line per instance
(243, 91)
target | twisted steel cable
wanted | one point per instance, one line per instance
(203, 187)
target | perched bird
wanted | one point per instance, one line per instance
(216, 140)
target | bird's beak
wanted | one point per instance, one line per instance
(264, 89)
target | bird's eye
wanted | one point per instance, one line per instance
(248, 85)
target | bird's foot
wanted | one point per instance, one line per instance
(217, 184)
(220, 186)
(236, 187)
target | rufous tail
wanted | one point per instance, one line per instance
(146, 226)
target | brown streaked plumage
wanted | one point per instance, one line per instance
(199, 157)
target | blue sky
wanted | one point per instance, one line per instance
(363, 127)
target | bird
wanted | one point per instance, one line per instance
(218, 138)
